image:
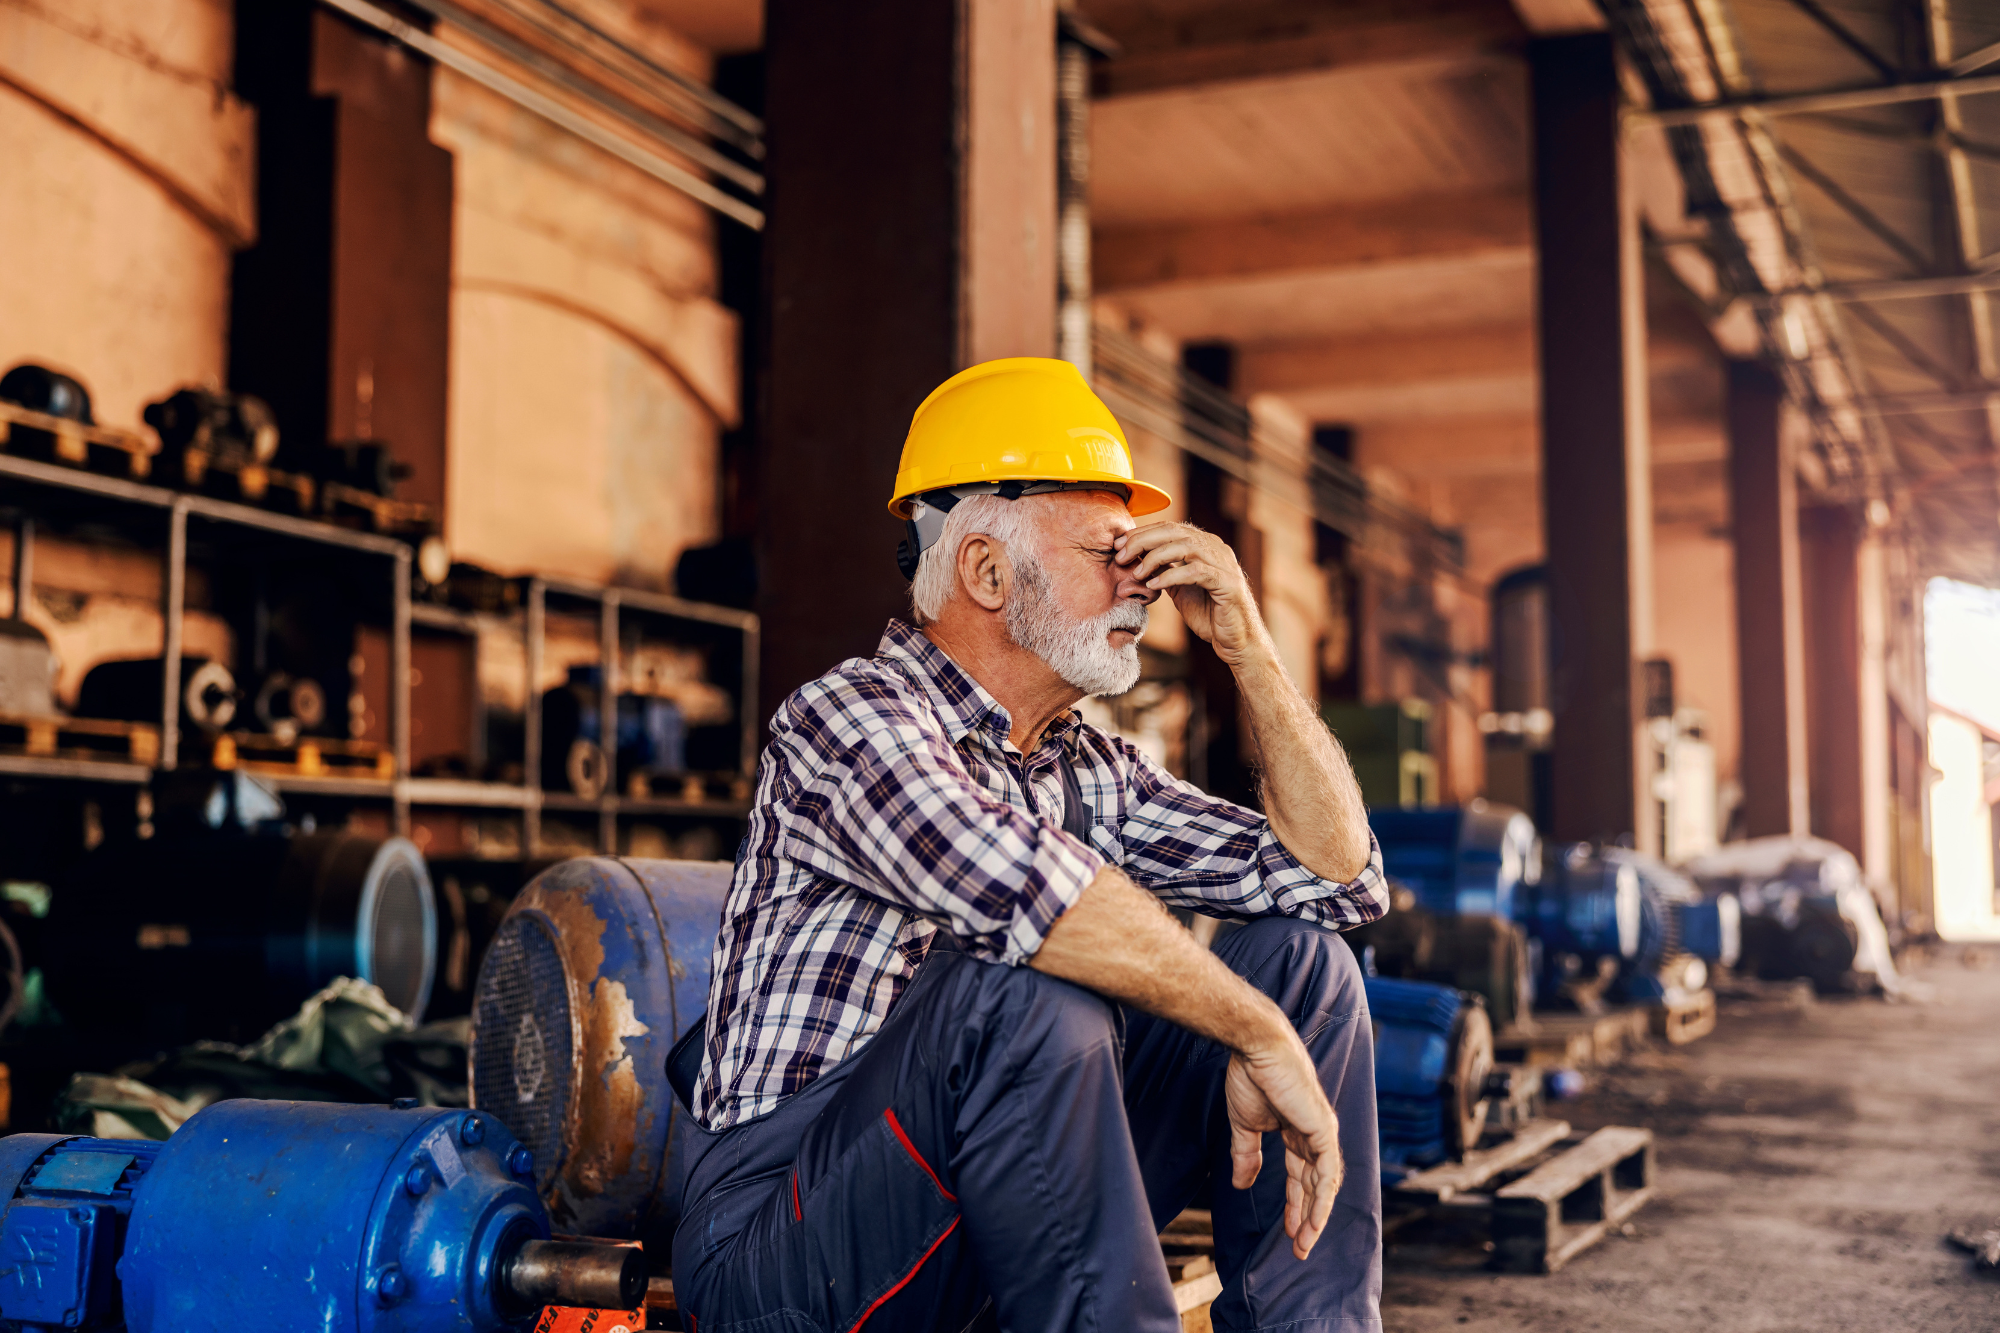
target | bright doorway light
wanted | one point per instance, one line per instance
(1962, 656)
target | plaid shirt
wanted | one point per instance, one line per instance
(891, 805)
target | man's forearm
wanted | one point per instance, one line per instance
(1119, 941)
(1310, 795)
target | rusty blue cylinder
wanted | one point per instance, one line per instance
(601, 963)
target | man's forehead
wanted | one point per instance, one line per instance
(1090, 514)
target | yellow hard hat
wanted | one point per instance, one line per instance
(1022, 418)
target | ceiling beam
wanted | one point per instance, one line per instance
(1833, 99)
(1244, 41)
(1405, 358)
(1895, 289)
(1361, 235)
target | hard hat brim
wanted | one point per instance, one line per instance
(1146, 498)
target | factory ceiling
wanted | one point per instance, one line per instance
(1341, 190)
(1890, 218)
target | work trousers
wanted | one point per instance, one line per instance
(1005, 1151)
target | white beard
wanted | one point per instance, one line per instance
(1079, 651)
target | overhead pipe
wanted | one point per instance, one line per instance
(552, 111)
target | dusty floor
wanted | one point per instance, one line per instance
(1810, 1161)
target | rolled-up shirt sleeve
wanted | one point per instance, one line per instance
(886, 805)
(1217, 858)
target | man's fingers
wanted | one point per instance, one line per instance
(1246, 1156)
(1193, 574)
(1178, 552)
(1140, 540)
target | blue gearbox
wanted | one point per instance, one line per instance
(290, 1215)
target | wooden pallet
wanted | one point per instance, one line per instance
(80, 738)
(1572, 1201)
(693, 788)
(338, 500)
(1543, 1196)
(1196, 1285)
(303, 757)
(1442, 1184)
(1575, 1040)
(1683, 1019)
(236, 474)
(57, 439)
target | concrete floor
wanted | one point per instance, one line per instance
(1810, 1159)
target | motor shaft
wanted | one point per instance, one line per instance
(591, 1274)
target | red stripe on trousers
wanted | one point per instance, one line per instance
(879, 1300)
(911, 1148)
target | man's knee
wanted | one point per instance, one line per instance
(1307, 968)
(1056, 1019)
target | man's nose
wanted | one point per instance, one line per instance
(1131, 589)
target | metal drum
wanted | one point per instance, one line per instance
(219, 933)
(597, 968)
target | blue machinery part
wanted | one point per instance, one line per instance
(599, 966)
(289, 1215)
(219, 933)
(1587, 908)
(1433, 1051)
(1460, 859)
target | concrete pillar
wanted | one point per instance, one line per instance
(1877, 794)
(340, 314)
(1770, 636)
(1829, 550)
(912, 233)
(1596, 474)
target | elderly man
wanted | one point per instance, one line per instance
(961, 1064)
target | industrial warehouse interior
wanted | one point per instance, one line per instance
(444, 443)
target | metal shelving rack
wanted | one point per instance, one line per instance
(529, 797)
(403, 792)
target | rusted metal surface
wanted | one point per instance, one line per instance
(632, 939)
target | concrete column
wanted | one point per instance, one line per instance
(1596, 474)
(911, 233)
(340, 314)
(1877, 794)
(1770, 636)
(1829, 548)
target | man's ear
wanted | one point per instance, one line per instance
(983, 571)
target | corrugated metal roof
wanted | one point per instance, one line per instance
(1903, 191)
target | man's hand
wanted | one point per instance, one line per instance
(1279, 1089)
(1308, 787)
(1118, 941)
(1199, 571)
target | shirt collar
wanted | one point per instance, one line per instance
(961, 701)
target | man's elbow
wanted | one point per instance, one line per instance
(1339, 862)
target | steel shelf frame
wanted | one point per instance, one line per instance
(403, 792)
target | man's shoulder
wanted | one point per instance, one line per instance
(861, 694)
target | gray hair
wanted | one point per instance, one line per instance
(1009, 522)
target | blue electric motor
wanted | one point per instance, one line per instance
(1681, 932)
(1586, 907)
(599, 966)
(1433, 1052)
(1460, 860)
(292, 1215)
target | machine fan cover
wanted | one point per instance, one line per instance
(597, 969)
